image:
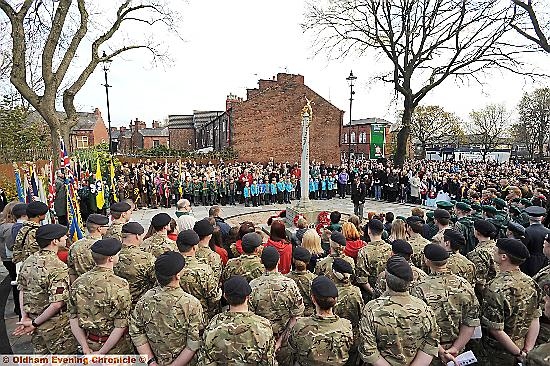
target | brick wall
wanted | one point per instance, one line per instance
(182, 139)
(100, 134)
(148, 141)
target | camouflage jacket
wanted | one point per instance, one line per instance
(247, 265)
(303, 280)
(25, 242)
(178, 327)
(157, 244)
(238, 339)
(462, 266)
(321, 341)
(510, 302)
(210, 257)
(79, 259)
(324, 266)
(453, 301)
(138, 268)
(371, 261)
(482, 258)
(396, 326)
(418, 243)
(197, 279)
(543, 276)
(350, 304)
(438, 237)
(539, 356)
(418, 276)
(114, 231)
(276, 298)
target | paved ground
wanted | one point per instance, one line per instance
(21, 345)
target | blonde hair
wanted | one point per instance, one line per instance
(350, 231)
(398, 230)
(7, 217)
(312, 242)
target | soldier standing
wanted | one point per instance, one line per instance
(247, 264)
(100, 303)
(79, 259)
(135, 265)
(458, 264)
(322, 338)
(121, 213)
(542, 278)
(482, 255)
(25, 242)
(510, 309)
(535, 234)
(197, 278)
(398, 328)
(204, 254)
(303, 278)
(415, 226)
(540, 356)
(453, 301)
(173, 337)
(253, 344)
(465, 224)
(337, 245)
(159, 243)
(443, 222)
(44, 289)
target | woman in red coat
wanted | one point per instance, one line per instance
(279, 241)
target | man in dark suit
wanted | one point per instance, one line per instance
(358, 194)
(535, 235)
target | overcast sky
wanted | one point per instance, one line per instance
(229, 45)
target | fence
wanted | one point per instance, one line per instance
(10, 155)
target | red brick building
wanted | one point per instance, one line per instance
(357, 139)
(138, 136)
(89, 131)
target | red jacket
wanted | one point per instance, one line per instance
(223, 254)
(285, 251)
(352, 248)
(239, 246)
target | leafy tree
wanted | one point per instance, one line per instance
(487, 126)
(533, 127)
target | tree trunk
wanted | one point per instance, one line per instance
(55, 145)
(403, 134)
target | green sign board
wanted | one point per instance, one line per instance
(377, 139)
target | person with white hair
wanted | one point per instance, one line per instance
(184, 214)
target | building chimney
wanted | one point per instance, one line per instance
(250, 93)
(283, 78)
(232, 100)
(156, 124)
(122, 130)
(265, 84)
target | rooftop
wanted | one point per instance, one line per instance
(154, 132)
(369, 121)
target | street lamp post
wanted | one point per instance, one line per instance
(351, 79)
(106, 66)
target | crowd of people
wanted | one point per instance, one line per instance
(472, 274)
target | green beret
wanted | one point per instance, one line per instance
(401, 218)
(525, 202)
(489, 209)
(476, 207)
(499, 203)
(514, 210)
(462, 206)
(430, 214)
(444, 204)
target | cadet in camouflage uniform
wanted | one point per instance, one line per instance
(458, 264)
(174, 335)
(135, 265)
(197, 278)
(398, 327)
(465, 225)
(350, 303)
(337, 245)
(79, 259)
(204, 254)
(121, 213)
(443, 222)
(540, 356)
(238, 336)
(247, 264)
(453, 301)
(25, 242)
(322, 338)
(542, 278)
(372, 259)
(43, 283)
(303, 278)
(159, 243)
(402, 249)
(482, 255)
(100, 304)
(510, 309)
(415, 226)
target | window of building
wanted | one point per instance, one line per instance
(362, 138)
(82, 142)
(352, 138)
(345, 138)
(156, 143)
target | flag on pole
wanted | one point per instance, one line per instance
(73, 209)
(112, 174)
(18, 185)
(181, 179)
(100, 196)
(51, 185)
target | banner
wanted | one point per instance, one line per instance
(100, 195)
(112, 176)
(377, 141)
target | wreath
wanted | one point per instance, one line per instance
(296, 218)
(324, 218)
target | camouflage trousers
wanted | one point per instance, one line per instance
(539, 356)
(493, 354)
(54, 337)
(123, 347)
(544, 333)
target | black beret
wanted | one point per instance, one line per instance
(485, 228)
(515, 228)
(440, 213)
(270, 257)
(454, 236)
(341, 266)
(399, 267)
(514, 247)
(187, 238)
(108, 247)
(19, 210)
(120, 207)
(376, 225)
(98, 219)
(237, 286)
(169, 264)
(338, 237)
(251, 240)
(413, 219)
(51, 232)
(36, 208)
(301, 254)
(401, 247)
(323, 286)
(203, 228)
(535, 211)
(133, 228)
(435, 252)
(160, 220)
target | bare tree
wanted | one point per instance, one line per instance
(487, 127)
(424, 41)
(533, 127)
(530, 25)
(60, 31)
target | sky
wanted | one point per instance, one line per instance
(228, 45)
